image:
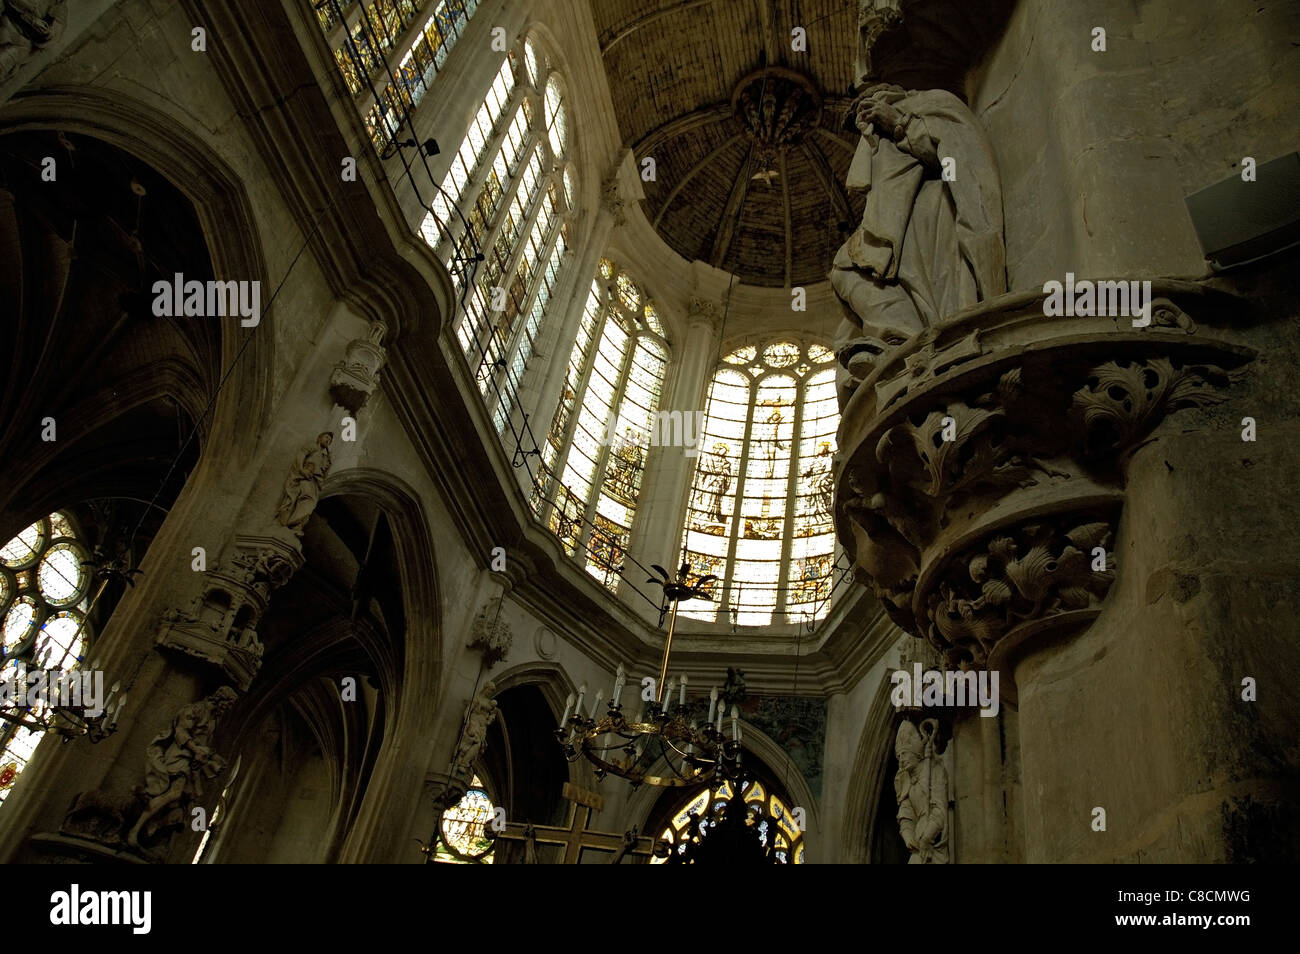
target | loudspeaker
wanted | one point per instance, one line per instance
(1238, 222)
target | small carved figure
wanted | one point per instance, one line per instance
(481, 713)
(921, 787)
(303, 485)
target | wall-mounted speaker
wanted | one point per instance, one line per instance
(1239, 221)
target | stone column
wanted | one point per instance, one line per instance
(665, 489)
(544, 382)
(1059, 499)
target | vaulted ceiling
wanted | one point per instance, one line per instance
(746, 133)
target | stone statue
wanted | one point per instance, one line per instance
(930, 240)
(480, 714)
(178, 761)
(27, 26)
(303, 485)
(921, 787)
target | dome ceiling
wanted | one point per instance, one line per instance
(747, 135)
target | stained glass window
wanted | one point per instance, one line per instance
(463, 837)
(510, 179)
(768, 812)
(413, 37)
(44, 596)
(595, 451)
(759, 516)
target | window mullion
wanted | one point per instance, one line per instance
(479, 174)
(602, 456)
(791, 489)
(742, 472)
(579, 395)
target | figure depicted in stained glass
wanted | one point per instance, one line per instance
(770, 444)
(819, 480)
(717, 471)
(625, 461)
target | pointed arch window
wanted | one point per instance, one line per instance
(593, 458)
(768, 812)
(759, 516)
(44, 593)
(413, 37)
(512, 179)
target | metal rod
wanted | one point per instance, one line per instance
(668, 647)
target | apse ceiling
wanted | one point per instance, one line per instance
(746, 133)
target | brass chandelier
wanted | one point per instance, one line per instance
(661, 746)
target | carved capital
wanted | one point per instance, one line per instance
(702, 310)
(981, 472)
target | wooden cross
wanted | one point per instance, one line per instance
(576, 835)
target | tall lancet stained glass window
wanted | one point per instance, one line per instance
(44, 593)
(413, 37)
(759, 516)
(508, 196)
(594, 455)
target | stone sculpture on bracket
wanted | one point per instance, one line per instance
(480, 714)
(921, 787)
(928, 244)
(177, 762)
(303, 485)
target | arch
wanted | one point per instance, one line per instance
(393, 794)
(183, 156)
(867, 776)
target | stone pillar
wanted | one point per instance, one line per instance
(657, 533)
(1059, 499)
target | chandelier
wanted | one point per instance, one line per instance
(693, 751)
(49, 698)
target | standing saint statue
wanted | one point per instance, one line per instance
(481, 713)
(303, 485)
(921, 786)
(930, 240)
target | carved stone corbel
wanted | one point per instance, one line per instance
(490, 635)
(219, 627)
(981, 473)
(355, 378)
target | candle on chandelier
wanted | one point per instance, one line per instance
(595, 706)
(117, 713)
(620, 677)
(735, 724)
(713, 702)
(681, 699)
(568, 707)
(668, 695)
(721, 709)
(582, 691)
